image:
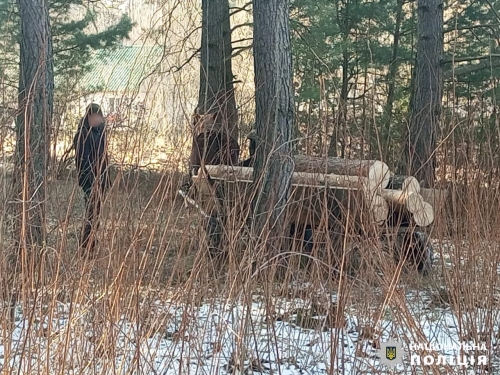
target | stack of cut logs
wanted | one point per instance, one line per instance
(385, 192)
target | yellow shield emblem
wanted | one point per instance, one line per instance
(390, 353)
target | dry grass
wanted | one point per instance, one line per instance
(152, 280)
(152, 302)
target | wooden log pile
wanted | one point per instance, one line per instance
(385, 195)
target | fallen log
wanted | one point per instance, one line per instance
(400, 200)
(305, 201)
(404, 183)
(298, 178)
(375, 171)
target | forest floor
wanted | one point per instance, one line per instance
(208, 339)
(150, 304)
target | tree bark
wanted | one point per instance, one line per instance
(391, 77)
(35, 100)
(341, 118)
(274, 104)
(425, 105)
(216, 93)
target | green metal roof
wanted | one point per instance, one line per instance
(120, 69)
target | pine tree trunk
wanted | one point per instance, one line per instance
(35, 100)
(341, 120)
(391, 79)
(216, 75)
(274, 105)
(427, 93)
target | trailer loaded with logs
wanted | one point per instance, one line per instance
(365, 192)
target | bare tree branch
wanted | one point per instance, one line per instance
(249, 24)
(175, 69)
(470, 58)
(487, 26)
(467, 69)
(241, 40)
(493, 10)
(239, 9)
(240, 50)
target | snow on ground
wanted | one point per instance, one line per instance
(281, 336)
(215, 337)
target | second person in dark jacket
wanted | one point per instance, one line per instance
(92, 166)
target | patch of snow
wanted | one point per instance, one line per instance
(221, 338)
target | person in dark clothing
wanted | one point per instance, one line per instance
(211, 144)
(91, 163)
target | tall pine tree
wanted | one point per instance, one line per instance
(274, 117)
(427, 93)
(36, 93)
(216, 94)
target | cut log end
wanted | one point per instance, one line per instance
(401, 200)
(379, 175)
(379, 209)
(425, 216)
(411, 184)
(404, 183)
(414, 203)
